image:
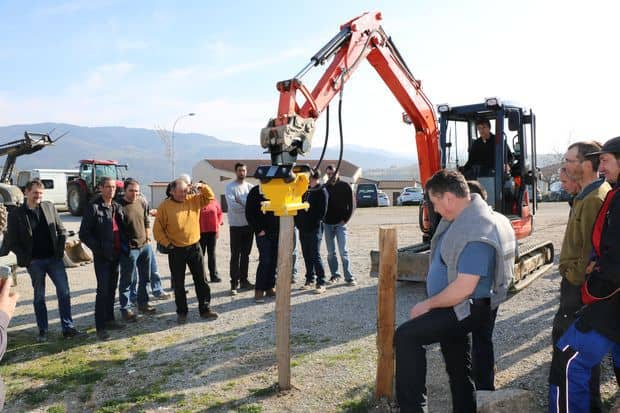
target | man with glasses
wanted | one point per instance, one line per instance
(577, 243)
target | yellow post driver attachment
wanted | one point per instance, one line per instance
(283, 186)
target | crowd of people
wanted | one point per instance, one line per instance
(186, 229)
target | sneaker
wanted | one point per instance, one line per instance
(147, 309)
(129, 316)
(162, 296)
(307, 285)
(215, 279)
(209, 315)
(181, 318)
(246, 285)
(351, 283)
(233, 292)
(73, 332)
(259, 296)
(270, 292)
(114, 325)
(42, 337)
(103, 335)
(334, 280)
(320, 289)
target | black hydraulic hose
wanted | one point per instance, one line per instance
(340, 130)
(316, 167)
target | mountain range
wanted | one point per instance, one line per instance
(145, 152)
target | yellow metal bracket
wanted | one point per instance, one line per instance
(284, 198)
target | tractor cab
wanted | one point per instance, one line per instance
(85, 187)
(504, 163)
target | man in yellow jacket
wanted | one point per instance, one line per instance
(177, 227)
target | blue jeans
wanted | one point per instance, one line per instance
(156, 288)
(135, 258)
(56, 270)
(310, 247)
(295, 236)
(577, 352)
(338, 233)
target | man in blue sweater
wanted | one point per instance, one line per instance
(472, 258)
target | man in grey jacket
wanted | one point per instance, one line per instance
(241, 234)
(472, 257)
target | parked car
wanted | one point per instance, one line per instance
(411, 195)
(367, 195)
(384, 199)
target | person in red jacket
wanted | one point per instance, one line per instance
(211, 218)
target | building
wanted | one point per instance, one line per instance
(219, 172)
(391, 187)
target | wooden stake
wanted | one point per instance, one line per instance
(283, 301)
(386, 311)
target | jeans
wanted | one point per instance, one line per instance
(190, 256)
(107, 278)
(310, 247)
(267, 261)
(295, 236)
(482, 354)
(441, 326)
(56, 270)
(208, 241)
(240, 248)
(135, 259)
(576, 353)
(156, 287)
(339, 233)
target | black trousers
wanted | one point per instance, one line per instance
(311, 248)
(570, 303)
(240, 248)
(267, 261)
(208, 241)
(437, 326)
(482, 354)
(191, 257)
(106, 272)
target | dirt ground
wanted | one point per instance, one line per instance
(229, 364)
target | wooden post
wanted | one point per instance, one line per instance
(386, 311)
(283, 302)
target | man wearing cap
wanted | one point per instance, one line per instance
(596, 329)
(577, 244)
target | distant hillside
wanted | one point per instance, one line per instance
(144, 152)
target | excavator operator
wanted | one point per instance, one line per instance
(481, 160)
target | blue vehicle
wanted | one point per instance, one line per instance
(367, 195)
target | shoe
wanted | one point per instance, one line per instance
(233, 292)
(147, 309)
(334, 280)
(293, 280)
(103, 335)
(209, 315)
(215, 279)
(307, 285)
(259, 296)
(246, 285)
(129, 316)
(351, 283)
(320, 289)
(181, 318)
(270, 292)
(162, 296)
(134, 301)
(42, 337)
(114, 325)
(73, 332)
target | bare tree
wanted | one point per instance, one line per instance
(164, 135)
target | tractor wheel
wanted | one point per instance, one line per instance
(3, 217)
(76, 199)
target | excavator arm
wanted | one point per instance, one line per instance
(361, 39)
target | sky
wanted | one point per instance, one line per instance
(146, 63)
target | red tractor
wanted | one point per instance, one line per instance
(85, 187)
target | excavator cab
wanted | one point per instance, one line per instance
(510, 177)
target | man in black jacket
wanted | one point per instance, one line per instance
(481, 159)
(596, 330)
(101, 232)
(37, 237)
(340, 207)
(265, 227)
(310, 226)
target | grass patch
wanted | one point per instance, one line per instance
(303, 339)
(229, 386)
(250, 408)
(352, 354)
(264, 392)
(360, 402)
(57, 409)
(199, 402)
(139, 397)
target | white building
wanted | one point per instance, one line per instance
(219, 172)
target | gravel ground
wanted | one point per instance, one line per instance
(229, 364)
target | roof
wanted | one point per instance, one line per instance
(346, 168)
(100, 162)
(398, 184)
